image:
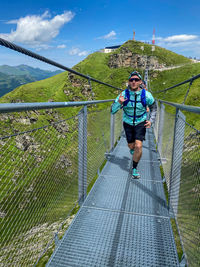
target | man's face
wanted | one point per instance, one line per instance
(134, 82)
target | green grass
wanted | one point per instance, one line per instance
(51, 203)
(166, 79)
(163, 55)
(45, 191)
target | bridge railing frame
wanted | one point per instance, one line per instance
(174, 177)
(83, 151)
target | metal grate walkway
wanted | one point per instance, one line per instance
(123, 222)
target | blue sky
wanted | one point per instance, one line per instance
(67, 31)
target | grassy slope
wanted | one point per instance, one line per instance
(40, 91)
(163, 55)
(168, 78)
(96, 66)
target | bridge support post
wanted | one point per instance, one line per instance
(82, 155)
(174, 187)
(160, 128)
(112, 132)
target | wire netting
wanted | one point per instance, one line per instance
(118, 125)
(183, 180)
(189, 196)
(167, 145)
(40, 179)
(156, 123)
(39, 184)
(98, 140)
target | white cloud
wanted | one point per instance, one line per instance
(111, 35)
(178, 38)
(36, 30)
(39, 47)
(61, 46)
(185, 44)
(76, 51)
(83, 53)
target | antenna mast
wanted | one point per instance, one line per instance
(153, 39)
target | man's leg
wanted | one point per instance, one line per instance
(131, 147)
(138, 151)
(136, 158)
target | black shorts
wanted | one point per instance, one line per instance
(135, 132)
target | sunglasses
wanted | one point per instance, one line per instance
(134, 79)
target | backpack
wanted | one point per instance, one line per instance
(143, 97)
(143, 101)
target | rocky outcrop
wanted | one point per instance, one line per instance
(86, 89)
(26, 142)
(126, 58)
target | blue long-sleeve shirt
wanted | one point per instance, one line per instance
(139, 109)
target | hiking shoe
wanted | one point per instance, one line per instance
(135, 174)
(131, 151)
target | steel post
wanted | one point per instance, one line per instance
(160, 128)
(179, 131)
(112, 131)
(82, 154)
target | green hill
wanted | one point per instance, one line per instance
(39, 168)
(165, 79)
(21, 70)
(11, 77)
(163, 55)
(65, 87)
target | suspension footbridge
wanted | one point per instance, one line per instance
(67, 195)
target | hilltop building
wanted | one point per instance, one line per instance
(109, 49)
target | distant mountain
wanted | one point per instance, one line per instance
(12, 77)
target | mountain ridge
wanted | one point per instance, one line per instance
(69, 87)
(13, 76)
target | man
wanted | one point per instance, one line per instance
(134, 101)
(143, 85)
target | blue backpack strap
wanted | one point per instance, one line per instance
(127, 95)
(143, 98)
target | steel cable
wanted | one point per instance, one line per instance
(29, 53)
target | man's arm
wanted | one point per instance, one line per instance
(115, 107)
(153, 111)
(118, 104)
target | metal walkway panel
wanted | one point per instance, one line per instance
(123, 222)
(149, 170)
(146, 197)
(103, 238)
(126, 194)
(119, 162)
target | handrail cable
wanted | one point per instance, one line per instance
(27, 52)
(16, 107)
(189, 108)
(188, 90)
(176, 85)
(12, 46)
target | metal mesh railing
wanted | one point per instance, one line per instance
(118, 125)
(98, 141)
(39, 186)
(167, 145)
(185, 196)
(42, 172)
(179, 145)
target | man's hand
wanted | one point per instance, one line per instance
(121, 99)
(148, 124)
